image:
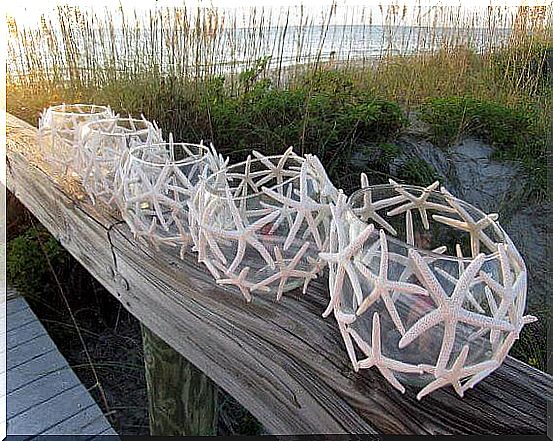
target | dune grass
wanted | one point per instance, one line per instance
(268, 79)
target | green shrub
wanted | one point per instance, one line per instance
(418, 172)
(26, 266)
(455, 117)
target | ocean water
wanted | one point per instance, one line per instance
(236, 49)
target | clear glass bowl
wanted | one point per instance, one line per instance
(425, 287)
(261, 223)
(59, 135)
(104, 143)
(157, 180)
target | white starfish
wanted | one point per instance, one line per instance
(346, 336)
(418, 202)
(449, 310)
(409, 267)
(374, 355)
(246, 178)
(343, 261)
(503, 349)
(285, 271)
(154, 193)
(277, 171)
(468, 224)
(507, 291)
(457, 373)
(240, 282)
(382, 286)
(328, 190)
(244, 235)
(285, 211)
(304, 210)
(369, 208)
(454, 280)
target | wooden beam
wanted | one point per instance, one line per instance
(282, 361)
(182, 399)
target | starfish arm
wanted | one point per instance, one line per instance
(366, 363)
(376, 342)
(214, 246)
(448, 340)
(431, 387)
(424, 217)
(399, 366)
(384, 203)
(482, 321)
(390, 306)
(343, 317)
(313, 229)
(383, 255)
(380, 220)
(401, 209)
(266, 282)
(388, 375)
(349, 345)
(429, 280)
(336, 290)
(408, 288)
(493, 284)
(354, 280)
(422, 325)
(365, 348)
(492, 366)
(294, 230)
(367, 302)
(465, 280)
(409, 228)
(460, 225)
(254, 242)
(238, 257)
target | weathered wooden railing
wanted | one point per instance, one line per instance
(282, 361)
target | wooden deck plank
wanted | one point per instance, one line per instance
(15, 305)
(51, 412)
(35, 369)
(283, 362)
(39, 391)
(44, 394)
(19, 319)
(23, 334)
(34, 348)
(112, 434)
(87, 422)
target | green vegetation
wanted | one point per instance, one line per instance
(173, 66)
(418, 172)
(517, 133)
(26, 267)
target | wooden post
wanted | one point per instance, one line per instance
(182, 399)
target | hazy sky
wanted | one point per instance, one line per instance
(29, 11)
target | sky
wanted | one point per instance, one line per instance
(29, 11)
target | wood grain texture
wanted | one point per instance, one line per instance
(282, 361)
(182, 399)
(44, 394)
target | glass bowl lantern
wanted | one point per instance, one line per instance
(156, 183)
(425, 287)
(260, 224)
(104, 143)
(59, 135)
